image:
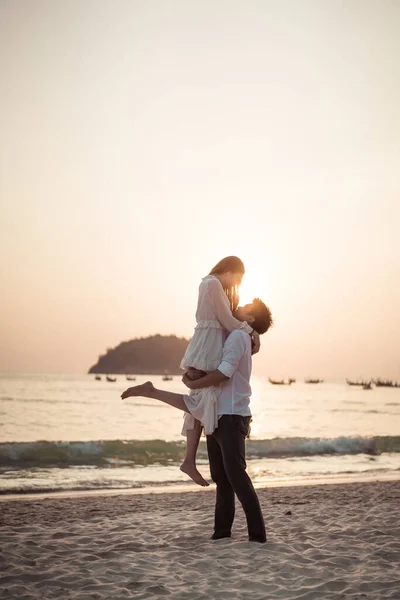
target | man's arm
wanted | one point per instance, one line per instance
(213, 378)
(234, 348)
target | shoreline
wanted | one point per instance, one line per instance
(192, 488)
(168, 500)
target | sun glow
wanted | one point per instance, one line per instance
(259, 270)
(250, 288)
(256, 281)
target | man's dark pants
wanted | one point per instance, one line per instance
(226, 452)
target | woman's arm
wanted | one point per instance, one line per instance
(222, 311)
(224, 315)
(256, 344)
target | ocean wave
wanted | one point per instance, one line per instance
(160, 452)
(68, 401)
(87, 486)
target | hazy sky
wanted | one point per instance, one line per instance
(142, 141)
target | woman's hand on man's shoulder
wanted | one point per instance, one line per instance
(255, 342)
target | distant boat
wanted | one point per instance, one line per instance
(354, 382)
(98, 378)
(129, 378)
(280, 381)
(360, 383)
(276, 381)
(292, 381)
(166, 376)
(386, 383)
(314, 380)
(112, 379)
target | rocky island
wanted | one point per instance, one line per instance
(150, 355)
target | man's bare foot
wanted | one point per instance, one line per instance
(190, 469)
(145, 390)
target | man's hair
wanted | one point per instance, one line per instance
(262, 316)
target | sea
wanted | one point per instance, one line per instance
(74, 434)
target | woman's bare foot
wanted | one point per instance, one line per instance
(145, 390)
(190, 469)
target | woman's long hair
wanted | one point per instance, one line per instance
(231, 264)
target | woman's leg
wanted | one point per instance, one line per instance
(189, 463)
(192, 440)
(147, 390)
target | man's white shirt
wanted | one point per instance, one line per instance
(236, 364)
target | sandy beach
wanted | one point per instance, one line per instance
(326, 541)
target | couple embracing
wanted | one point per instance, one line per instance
(217, 366)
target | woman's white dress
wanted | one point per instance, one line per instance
(214, 322)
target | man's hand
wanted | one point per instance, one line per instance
(190, 383)
(255, 346)
(195, 373)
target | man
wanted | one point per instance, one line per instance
(226, 445)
